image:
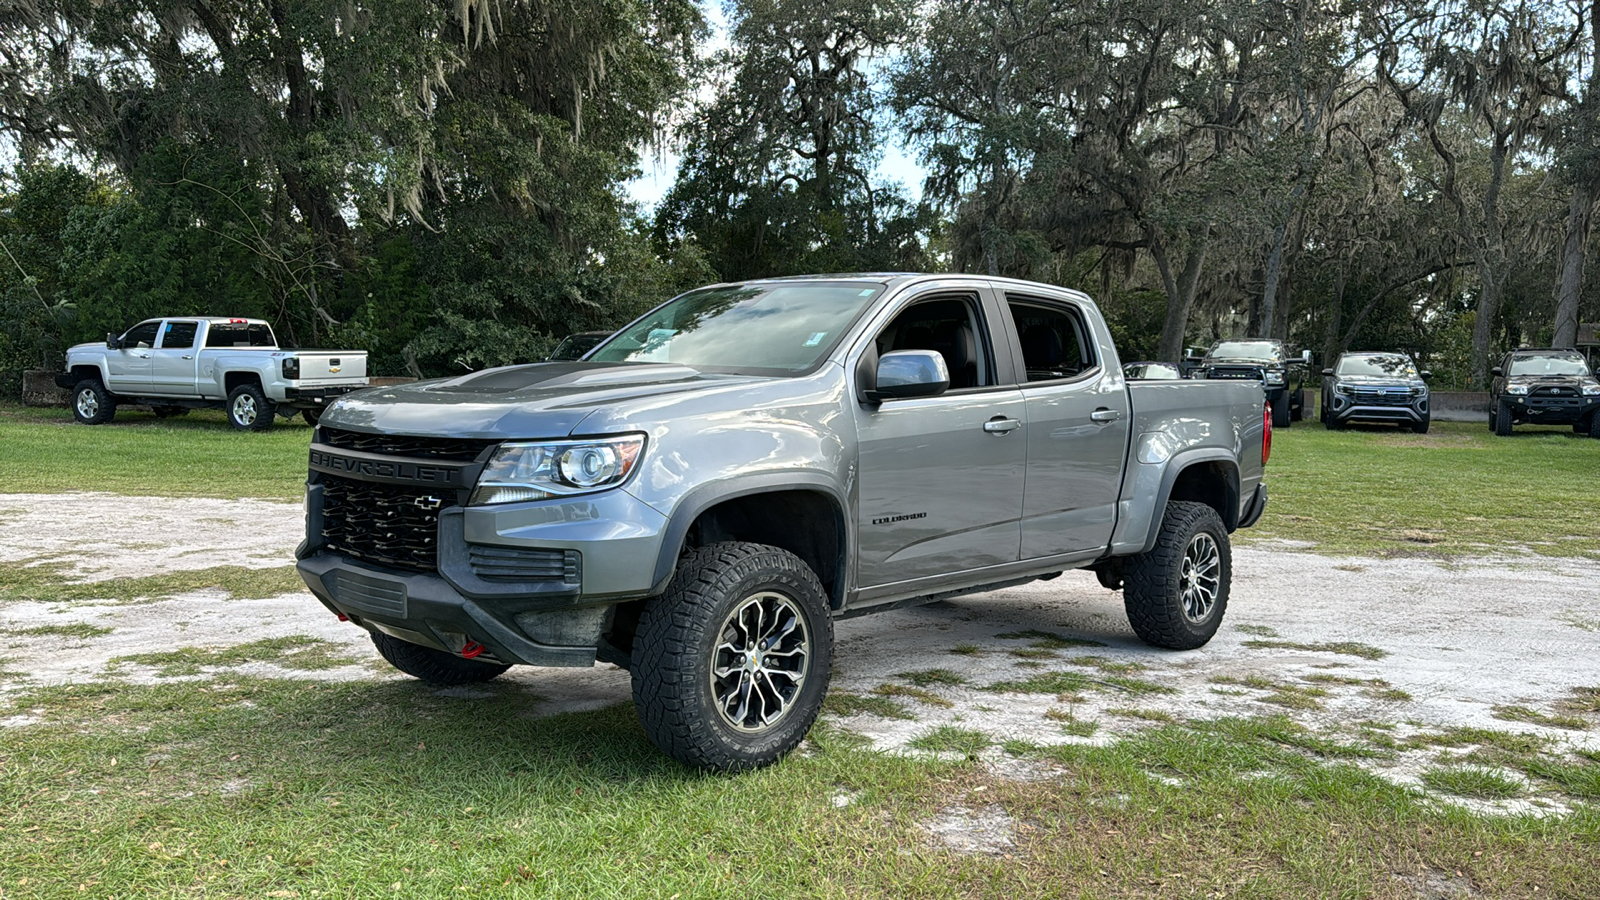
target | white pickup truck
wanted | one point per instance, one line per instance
(175, 365)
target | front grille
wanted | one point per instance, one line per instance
(464, 450)
(387, 524)
(1387, 397)
(1554, 392)
(523, 564)
(1251, 372)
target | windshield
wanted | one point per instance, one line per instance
(1382, 366)
(752, 329)
(1548, 365)
(1264, 350)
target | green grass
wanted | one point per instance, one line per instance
(45, 451)
(1346, 648)
(912, 693)
(293, 652)
(1071, 724)
(926, 677)
(1290, 696)
(1471, 781)
(950, 739)
(1457, 490)
(843, 703)
(1044, 683)
(46, 582)
(1534, 717)
(1048, 640)
(254, 788)
(80, 630)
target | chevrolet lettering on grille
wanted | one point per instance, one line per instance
(392, 471)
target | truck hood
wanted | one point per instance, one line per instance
(1536, 381)
(539, 400)
(1379, 381)
(1222, 361)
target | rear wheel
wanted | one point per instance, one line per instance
(1177, 593)
(732, 662)
(1594, 425)
(1297, 409)
(249, 409)
(1502, 419)
(434, 666)
(92, 404)
(311, 416)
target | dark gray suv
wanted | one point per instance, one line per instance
(1375, 387)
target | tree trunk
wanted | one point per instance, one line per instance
(1579, 218)
(1180, 293)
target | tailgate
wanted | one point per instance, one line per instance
(320, 368)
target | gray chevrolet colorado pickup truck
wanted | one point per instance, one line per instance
(700, 498)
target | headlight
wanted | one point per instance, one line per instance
(1590, 390)
(1418, 391)
(1516, 389)
(1274, 378)
(1343, 389)
(538, 471)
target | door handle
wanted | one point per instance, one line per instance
(144, 356)
(1001, 425)
(1105, 415)
(188, 357)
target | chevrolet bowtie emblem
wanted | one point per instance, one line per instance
(429, 502)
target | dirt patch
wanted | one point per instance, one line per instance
(1443, 645)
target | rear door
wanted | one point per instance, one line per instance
(129, 368)
(940, 479)
(173, 363)
(1078, 416)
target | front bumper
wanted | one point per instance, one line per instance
(1550, 410)
(532, 583)
(1345, 409)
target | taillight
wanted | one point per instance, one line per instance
(291, 368)
(1266, 433)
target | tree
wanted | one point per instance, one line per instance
(776, 176)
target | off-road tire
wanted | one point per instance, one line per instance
(1502, 419)
(434, 666)
(92, 404)
(1297, 409)
(1422, 426)
(245, 400)
(1152, 591)
(168, 412)
(675, 649)
(311, 416)
(1333, 423)
(1594, 425)
(1280, 411)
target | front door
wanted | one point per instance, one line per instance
(173, 363)
(128, 369)
(940, 478)
(1078, 415)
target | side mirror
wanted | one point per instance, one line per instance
(111, 341)
(1426, 374)
(902, 374)
(1327, 371)
(1305, 357)
(1497, 371)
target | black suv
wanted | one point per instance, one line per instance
(1375, 387)
(1544, 387)
(1281, 376)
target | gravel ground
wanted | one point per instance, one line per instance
(1457, 637)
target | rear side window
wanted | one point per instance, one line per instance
(1055, 343)
(142, 335)
(254, 334)
(178, 335)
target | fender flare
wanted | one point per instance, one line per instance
(697, 501)
(1176, 466)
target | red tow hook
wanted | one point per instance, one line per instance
(472, 650)
(342, 617)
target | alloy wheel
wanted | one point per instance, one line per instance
(1199, 577)
(760, 661)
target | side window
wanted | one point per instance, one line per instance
(1055, 341)
(952, 327)
(141, 336)
(178, 335)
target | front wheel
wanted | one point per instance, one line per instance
(1177, 593)
(434, 666)
(732, 662)
(1280, 410)
(1421, 426)
(92, 404)
(311, 416)
(249, 409)
(1502, 419)
(1594, 425)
